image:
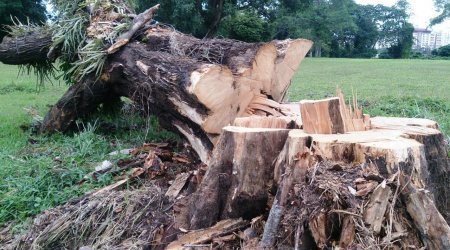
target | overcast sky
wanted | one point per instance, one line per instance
(421, 12)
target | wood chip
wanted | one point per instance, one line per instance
(222, 228)
(177, 185)
(374, 213)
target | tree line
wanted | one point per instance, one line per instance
(339, 28)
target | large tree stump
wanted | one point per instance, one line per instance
(390, 149)
(238, 176)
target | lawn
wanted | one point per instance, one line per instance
(40, 172)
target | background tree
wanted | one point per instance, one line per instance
(444, 7)
(32, 11)
(444, 51)
(367, 33)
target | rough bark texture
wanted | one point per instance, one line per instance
(30, 48)
(79, 100)
(195, 87)
(434, 230)
(237, 179)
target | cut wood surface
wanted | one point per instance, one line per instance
(195, 86)
(262, 122)
(339, 177)
(333, 116)
(352, 115)
(418, 151)
(322, 116)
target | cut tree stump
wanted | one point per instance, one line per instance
(236, 182)
(388, 149)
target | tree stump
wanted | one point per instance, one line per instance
(238, 176)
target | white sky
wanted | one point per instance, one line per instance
(421, 13)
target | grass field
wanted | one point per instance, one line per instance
(40, 172)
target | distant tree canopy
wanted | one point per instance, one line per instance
(339, 28)
(24, 10)
(444, 7)
(444, 51)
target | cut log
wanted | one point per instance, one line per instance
(332, 116)
(194, 86)
(322, 117)
(236, 182)
(389, 147)
(261, 68)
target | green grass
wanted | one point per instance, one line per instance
(410, 88)
(40, 172)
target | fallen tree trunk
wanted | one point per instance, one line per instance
(195, 87)
(28, 49)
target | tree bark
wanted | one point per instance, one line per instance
(28, 49)
(237, 179)
(195, 87)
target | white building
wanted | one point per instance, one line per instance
(425, 39)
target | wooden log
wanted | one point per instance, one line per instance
(260, 68)
(30, 48)
(322, 116)
(236, 182)
(434, 230)
(195, 86)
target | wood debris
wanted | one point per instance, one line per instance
(220, 229)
